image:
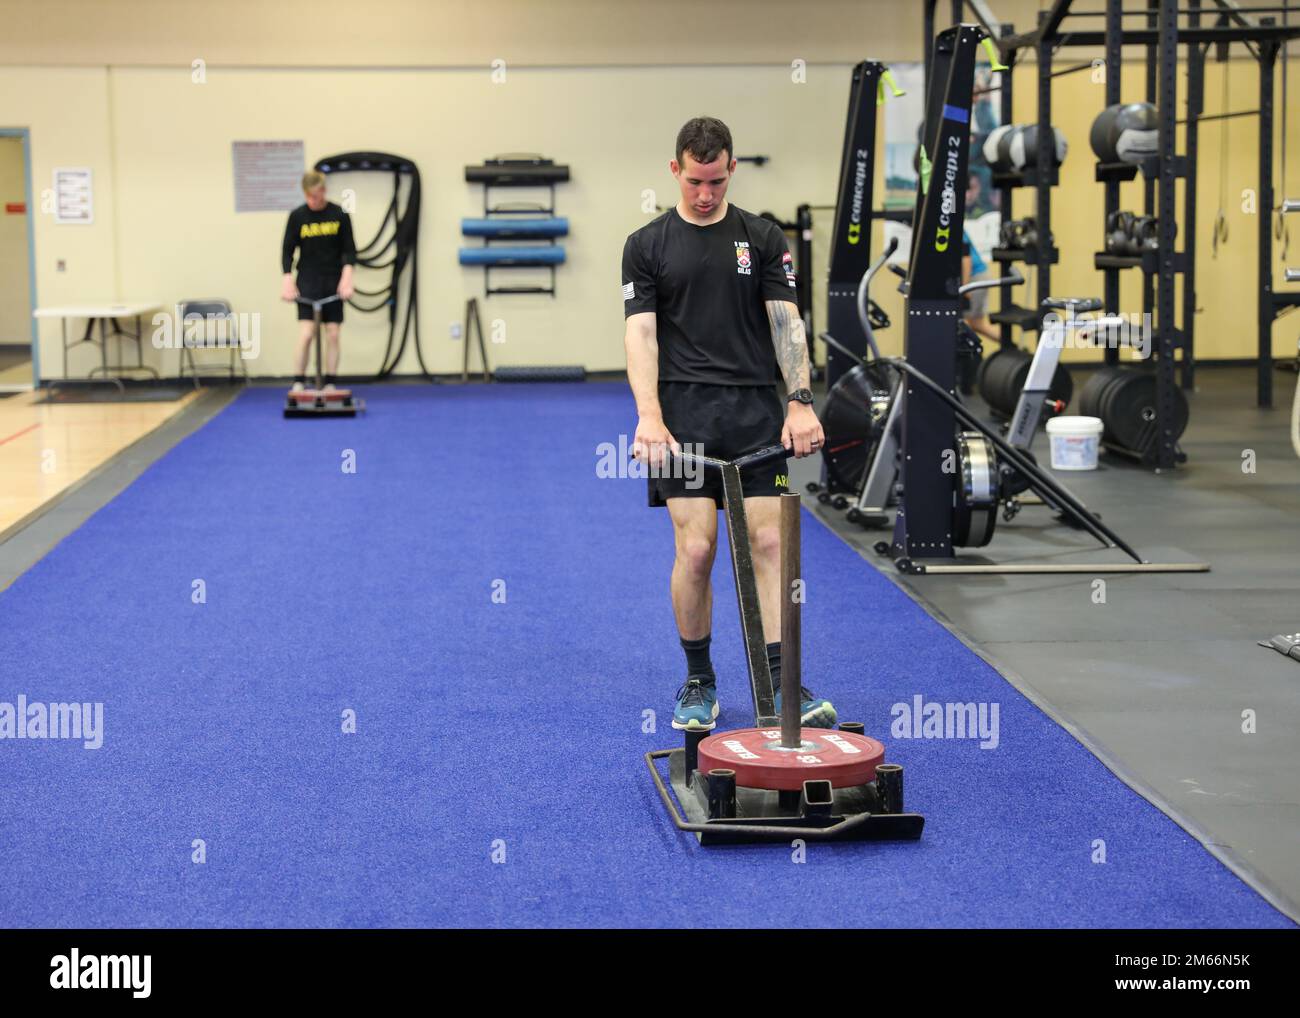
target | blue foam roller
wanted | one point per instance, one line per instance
(503, 255)
(554, 227)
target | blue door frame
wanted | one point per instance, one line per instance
(25, 135)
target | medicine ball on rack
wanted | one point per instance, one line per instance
(1022, 146)
(1015, 147)
(1126, 133)
(991, 143)
(1124, 398)
(1003, 375)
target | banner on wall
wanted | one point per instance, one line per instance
(903, 118)
(268, 175)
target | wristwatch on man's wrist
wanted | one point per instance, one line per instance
(804, 396)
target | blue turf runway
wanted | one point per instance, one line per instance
(482, 723)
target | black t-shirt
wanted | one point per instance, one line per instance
(323, 239)
(707, 286)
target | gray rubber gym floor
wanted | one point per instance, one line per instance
(1163, 679)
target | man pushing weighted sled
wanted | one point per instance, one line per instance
(707, 295)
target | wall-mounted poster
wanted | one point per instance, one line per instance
(74, 198)
(268, 175)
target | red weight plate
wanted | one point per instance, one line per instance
(755, 754)
(307, 397)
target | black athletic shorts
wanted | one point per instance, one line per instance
(725, 422)
(314, 288)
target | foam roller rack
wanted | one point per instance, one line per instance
(519, 234)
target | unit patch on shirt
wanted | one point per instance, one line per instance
(743, 259)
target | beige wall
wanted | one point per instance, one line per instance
(467, 33)
(179, 236)
(159, 145)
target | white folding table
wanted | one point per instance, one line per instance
(105, 315)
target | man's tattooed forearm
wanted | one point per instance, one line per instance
(790, 343)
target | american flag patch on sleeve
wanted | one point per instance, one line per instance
(627, 292)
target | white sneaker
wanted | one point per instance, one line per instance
(297, 387)
(329, 387)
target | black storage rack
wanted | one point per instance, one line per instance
(1165, 26)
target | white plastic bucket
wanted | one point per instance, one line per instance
(1075, 442)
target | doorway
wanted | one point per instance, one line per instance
(17, 327)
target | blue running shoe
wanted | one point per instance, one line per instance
(815, 712)
(697, 705)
